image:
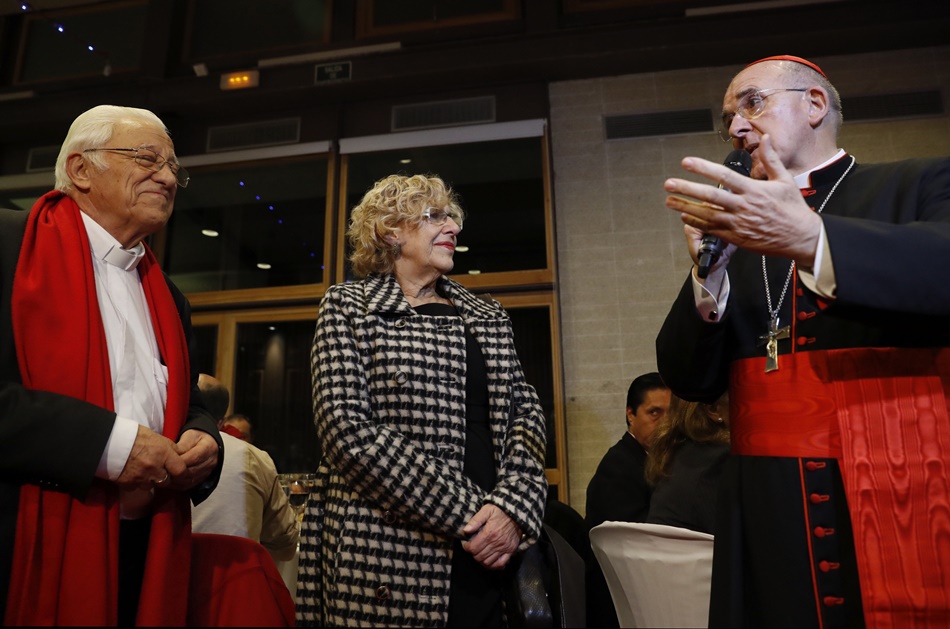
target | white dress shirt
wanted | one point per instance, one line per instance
(139, 379)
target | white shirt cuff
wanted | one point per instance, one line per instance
(712, 294)
(820, 278)
(118, 448)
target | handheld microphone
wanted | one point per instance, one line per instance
(711, 247)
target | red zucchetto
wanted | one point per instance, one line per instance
(805, 62)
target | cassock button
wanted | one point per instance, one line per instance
(827, 566)
(382, 593)
(804, 340)
(811, 466)
(804, 316)
(819, 498)
(831, 601)
(821, 531)
(799, 292)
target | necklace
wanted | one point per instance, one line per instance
(774, 334)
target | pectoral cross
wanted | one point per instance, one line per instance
(771, 339)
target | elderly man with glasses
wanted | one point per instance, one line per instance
(826, 319)
(103, 434)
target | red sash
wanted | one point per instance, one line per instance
(65, 564)
(891, 407)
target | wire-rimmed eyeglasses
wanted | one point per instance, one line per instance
(435, 216)
(750, 107)
(150, 160)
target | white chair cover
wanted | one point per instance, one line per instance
(658, 575)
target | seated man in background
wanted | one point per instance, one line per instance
(239, 427)
(249, 501)
(618, 492)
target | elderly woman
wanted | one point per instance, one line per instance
(433, 443)
(689, 449)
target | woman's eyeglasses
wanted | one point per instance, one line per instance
(435, 216)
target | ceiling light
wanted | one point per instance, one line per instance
(462, 248)
(210, 233)
(263, 266)
(474, 272)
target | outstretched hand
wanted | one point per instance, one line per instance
(763, 216)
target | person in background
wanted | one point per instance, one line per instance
(238, 426)
(248, 502)
(826, 319)
(690, 447)
(433, 444)
(103, 432)
(618, 491)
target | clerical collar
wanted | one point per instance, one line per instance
(106, 248)
(804, 180)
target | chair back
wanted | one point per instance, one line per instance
(234, 583)
(658, 575)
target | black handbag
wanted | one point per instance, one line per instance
(545, 585)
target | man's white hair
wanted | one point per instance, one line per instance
(93, 129)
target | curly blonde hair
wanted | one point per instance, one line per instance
(391, 203)
(686, 421)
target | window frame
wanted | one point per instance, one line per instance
(510, 11)
(251, 157)
(521, 280)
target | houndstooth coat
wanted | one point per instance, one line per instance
(389, 408)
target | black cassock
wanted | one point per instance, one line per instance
(782, 559)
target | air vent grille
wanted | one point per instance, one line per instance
(42, 159)
(661, 123)
(253, 135)
(448, 113)
(890, 106)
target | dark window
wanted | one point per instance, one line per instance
(501, 189)
(532, 329)
(206, 348)
(381, 17)
(272, 387)
(57, 45)
(269, 221)
(220, 28)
